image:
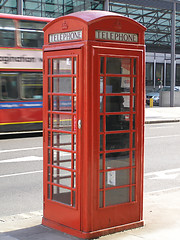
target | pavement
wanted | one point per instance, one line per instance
(161, 209)
(162, 114)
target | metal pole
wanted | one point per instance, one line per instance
(106, 5)
(20, 7)
(173, 64)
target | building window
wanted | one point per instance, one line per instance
(168, 74)
(7, 33)
(149, 75)
(31, 33)
(159, 81)
(177, 75)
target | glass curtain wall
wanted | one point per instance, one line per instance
(49, 8)
(157, 21)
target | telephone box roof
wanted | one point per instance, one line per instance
(91, 16)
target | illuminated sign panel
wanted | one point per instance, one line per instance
(20, 59)
(66, 36)
(116, 36)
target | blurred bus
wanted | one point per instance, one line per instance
(21, 40)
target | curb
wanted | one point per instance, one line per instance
(162, 121)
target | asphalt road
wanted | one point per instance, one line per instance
(21, 164)
(162, 156)
(21, 167)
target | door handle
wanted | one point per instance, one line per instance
(79, 124)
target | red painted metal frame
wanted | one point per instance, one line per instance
(132, 211)
(94, 221)
(52, 206)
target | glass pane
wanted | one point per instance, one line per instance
(101, 199)
(62, 140)
(118, 65)
(49, 85)
(134, 121)
(117, 122)
(101, 84)
(134, 69)
(74, 198)
(133, 194)
(101, 180)
(101, 142)
(134, 103)
(7, 33)
(62, 66)
(32, 25)
(49, 102)
(159, 81)
(74, 107)
(117, 178)
(133, 158)
(117, 103)
(133, 175)
(102, 65)
(74, 180)
(49, 120)
(116, 196)
(134, 140)
(49, 156)
(74, 123)
(75, 84)
(61, 195)
(134, 85)
(74, 161)
(101, 104)
(9, 86)
(101, 162)
(101, 124)
(65, 85)
(117, 84)
(49, 174)
(117, 160)
(62, 122)
(62, 103)
(62, 85)
(61, 177)
(74, 145)
(55, 64)
(55, 82)
(49, 191)
(32, 85)
(150, 76)
(32, 33)
(117, 141)
(75, 66)
(61, 159)
(32, 39)
(49, 139)
(49, 66)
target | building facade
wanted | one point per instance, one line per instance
(156, 16)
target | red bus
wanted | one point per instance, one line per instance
(21, 40)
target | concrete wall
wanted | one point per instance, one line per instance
(164, 99)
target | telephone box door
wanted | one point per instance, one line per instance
(119, 137)
(61, 138)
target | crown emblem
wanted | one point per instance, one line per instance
(64, 25)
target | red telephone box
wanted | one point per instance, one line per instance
(94, 87)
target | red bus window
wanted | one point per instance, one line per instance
(9, 86)
(31, 85)
(7, 33)
(31, 33)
